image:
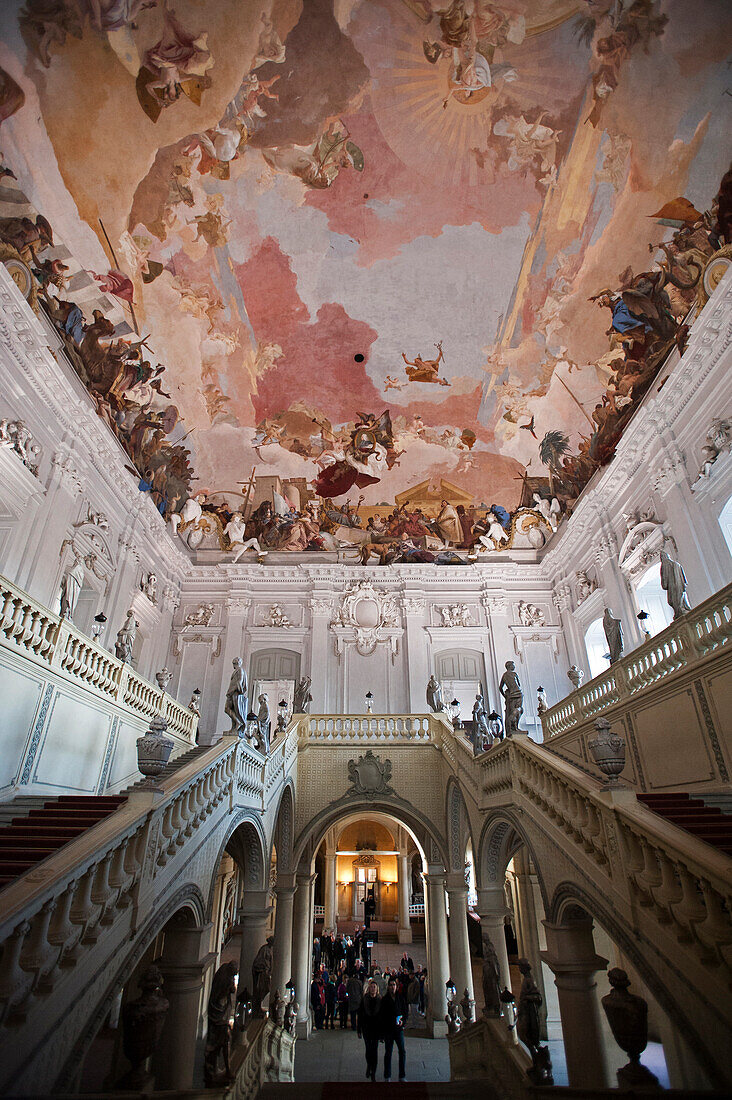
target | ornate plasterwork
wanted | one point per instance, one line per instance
(369, 616)
(369, 776)
(529, 614)
(642, 544)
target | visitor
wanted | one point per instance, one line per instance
(317, 1002)
(342, 997)
(393, 1012)
(369, 1026)
(330, 1004)
(406, 963)
(355, 996)
(422, 979)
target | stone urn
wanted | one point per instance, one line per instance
(627, 1015)
(163, 678)
(608, 752)
(153, 752)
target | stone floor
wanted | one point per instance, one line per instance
(339, 1056)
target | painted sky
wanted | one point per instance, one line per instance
(474, 204)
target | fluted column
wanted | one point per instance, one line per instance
(282, 947)
(438, 964)
(302, 950)
(253, 920)
(571, 956)
(460, 969)
(404, 927)
(331, 909)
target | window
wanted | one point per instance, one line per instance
(651, 597)
(597, 649)
(725, 522)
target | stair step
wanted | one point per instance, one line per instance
(21, 829)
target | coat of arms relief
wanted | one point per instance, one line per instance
(369, 776)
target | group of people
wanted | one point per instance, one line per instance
(374, 1003)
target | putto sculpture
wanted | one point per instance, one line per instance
(575, 676)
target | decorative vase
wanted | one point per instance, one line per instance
(536, 537)
(627, 1015)
(608, 752)
(153, 752)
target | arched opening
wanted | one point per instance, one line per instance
(725, 522)
(598, 658)
(651, 598)
(169, 969)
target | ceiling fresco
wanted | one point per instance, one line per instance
(355, 271)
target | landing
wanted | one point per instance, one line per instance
(339, 1056)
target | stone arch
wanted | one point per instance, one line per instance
(501, 835)
(283, 838)
(426, 836)
(187, 898)
(246, 844)
(459, 831)
(568, 897)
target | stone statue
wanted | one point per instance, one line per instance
(480, 720)
(452, 1019)
(434, 695)
(71, 585)
(542, 706)
(149, 586)
(627, 1015)
(261, 975)
(513, 698)
(673, 582)
(289, 1021)
(236, 698)
(126, 638)
(163, 678)
(576, 676)
(276, 1008)
(614, 634)
(585, 585)
(195, 703)
(491, 978)
(264, 722)
(142, 1025)
(218, 1039)
(303, 698)
(528, 1027)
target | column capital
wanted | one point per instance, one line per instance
(455, 883)
(305, 879)
(492, 902)
(285, 882)
(434, 878)
(570, 951)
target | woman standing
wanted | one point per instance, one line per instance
(369, 1025)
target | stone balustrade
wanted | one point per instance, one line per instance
(668, 698)
(682, 645)
(372, 728)
(31, 631)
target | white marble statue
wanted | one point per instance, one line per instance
(264, 721)
(235, 531)
(277, 617)
(163, 678)
(513, 698)
(71, 585)
(585, 585)
(549, 509)
(719, 440)
(126, 638)
(530, 615)
(614, 635)
(200, 616)
(673, 582)
(149, 586)
(542, 706)
(303, 697)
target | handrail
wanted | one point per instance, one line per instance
(681, 646)
(687, 883)
(29, 628)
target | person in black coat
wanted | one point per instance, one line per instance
(393, 1014)
(369, 1026)
(330, 1004)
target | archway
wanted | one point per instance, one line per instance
(175, 937)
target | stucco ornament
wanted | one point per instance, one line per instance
(369, 776)
(368, 613)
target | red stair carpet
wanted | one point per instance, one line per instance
(29, 839)
(705, 822)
